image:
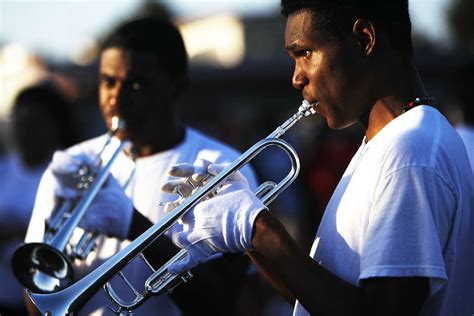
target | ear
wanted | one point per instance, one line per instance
(364, 32)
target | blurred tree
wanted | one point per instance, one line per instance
(461, 21)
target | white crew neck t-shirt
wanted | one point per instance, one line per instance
(404, 208)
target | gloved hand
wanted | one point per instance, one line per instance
(223, 223)
(191, 178)
(65, 168)
(111, 211)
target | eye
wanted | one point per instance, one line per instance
(137, 85)
(107, 81)
(304, 53)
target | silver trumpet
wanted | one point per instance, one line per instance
(70, 299)
(45, 267)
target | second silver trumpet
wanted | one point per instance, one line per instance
(46, 267)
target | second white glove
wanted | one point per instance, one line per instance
(64, 167)
(111, 211)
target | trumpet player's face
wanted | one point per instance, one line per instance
(134, 86)
(327, 71)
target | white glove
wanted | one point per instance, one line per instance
(191, 178)
(111, 211)
(65, 170)
(220, 224)
(195, 176)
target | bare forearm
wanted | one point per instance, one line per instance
(296, 275)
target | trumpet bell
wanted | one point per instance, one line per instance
(42, 268)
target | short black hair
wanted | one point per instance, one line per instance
(336, 17)
(153, 35)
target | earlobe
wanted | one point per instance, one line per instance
(364, 31)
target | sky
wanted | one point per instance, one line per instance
(56, 27)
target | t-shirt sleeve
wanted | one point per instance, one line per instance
(408, 225)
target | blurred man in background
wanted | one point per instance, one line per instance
(143, 71)
(42, 121)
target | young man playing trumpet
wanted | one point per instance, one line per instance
(143, 70)
(397, 237)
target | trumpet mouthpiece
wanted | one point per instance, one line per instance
(307, 108)
(117, 124)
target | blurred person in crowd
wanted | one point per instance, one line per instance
(397, 235)
(42, 121)
(466, 97)
(143, 71)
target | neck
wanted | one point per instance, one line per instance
(401, 84)
(159, 143)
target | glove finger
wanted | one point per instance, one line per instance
(182, 170)
(63, 163)
(182, 265)
(181, 187)
(169, 206)
(231, 186)
(181, 239)
(200, 171)
(197, 253)
(215, 169)
(213, 257)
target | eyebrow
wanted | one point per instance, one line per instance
(104, 74)
(293, 47)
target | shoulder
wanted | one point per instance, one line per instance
(213, 150)
(209, 145)
(89, 147)
(421, 137)
(424, 147)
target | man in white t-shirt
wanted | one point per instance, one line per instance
(397, 237)
(143, 70)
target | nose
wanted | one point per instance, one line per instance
(117, 95)
(299, 79)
